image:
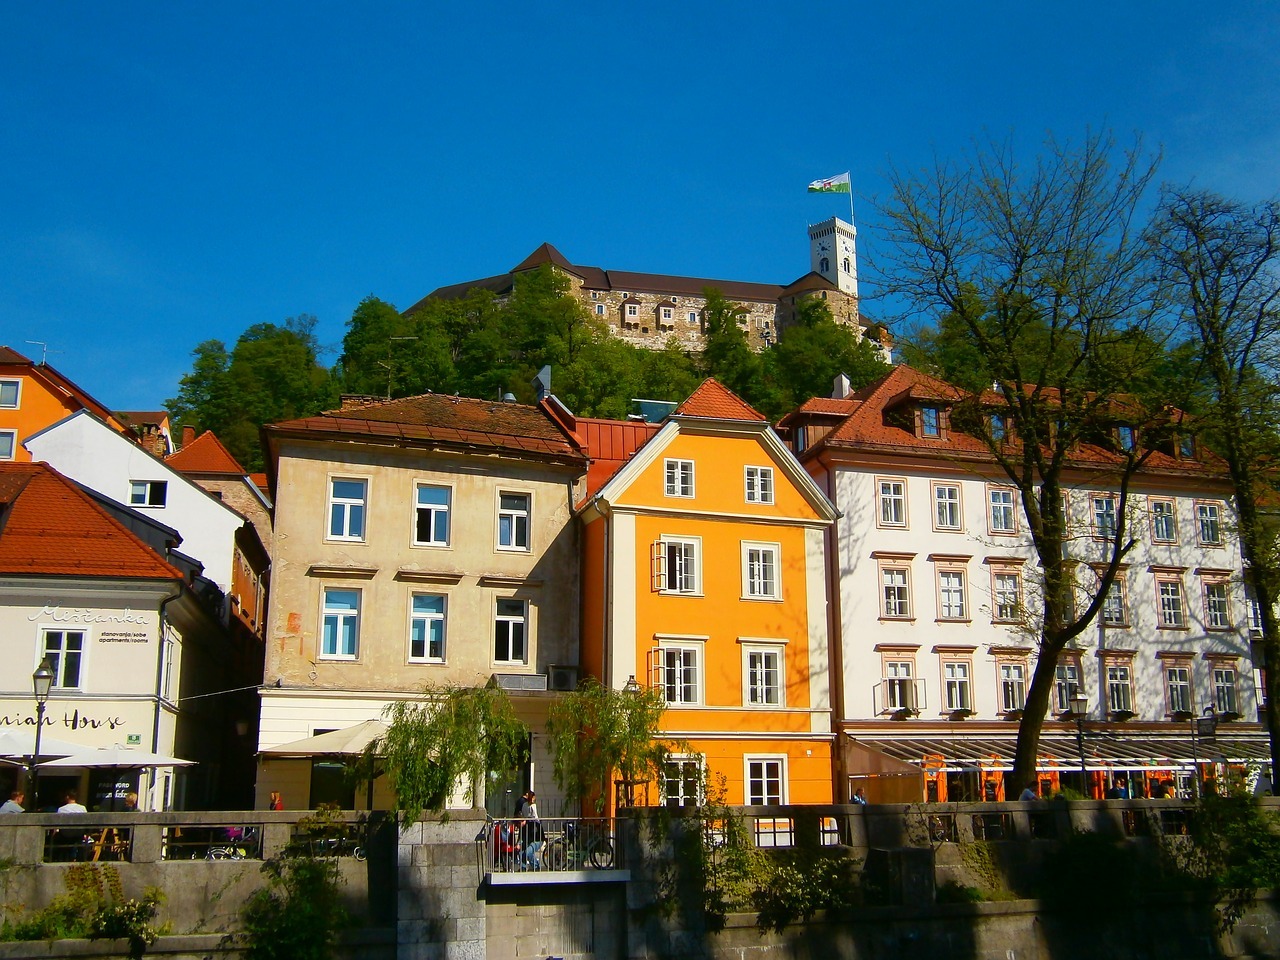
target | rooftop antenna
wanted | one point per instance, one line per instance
(390, 367)
(44, 350)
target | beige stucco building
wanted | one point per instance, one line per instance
(423, 540)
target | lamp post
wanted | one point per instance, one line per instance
(41, 683)
(1204, 729)
(1079, 708)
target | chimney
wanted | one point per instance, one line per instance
(354, 401)
(840, 388)
(188, 435)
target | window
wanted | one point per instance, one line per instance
(1006, 596)
(1177, 688)
(1187, 447)
(1217, 605)
(677, 568)
(679, 478)
(168, 658)
(668, 314)
(346, 509)
(759, 484)
(766, 778)
(510, 631)
(1172, 615)
(431, 527)
(148, 493)
(65, 651)
(1164, 527)
(426, 628)
(1224, 689)
(633, 310)
(1114, 610)
(1001, 517)
(946, 506)
(1255, 613)
(1104, 516)
(8, 444)
(760, 571)
(893, 502)
(899, 685)
(678, 669)
(1209, 523)
(952, 604)
(1127, 437)
(513, 521)
(10, 394)
(681, 779)
(1119, 688)
(955, 683)
(599, 309)
(692, 317)
(763, 672)
(340, 631)
(1066, 684)
(998, 427)
(1013, 686)
(930, 422)
(896, 587)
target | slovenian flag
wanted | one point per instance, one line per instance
(838, 184)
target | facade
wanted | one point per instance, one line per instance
(128, 639)
(422, 540)
(935, 571)
(703, 575)
(34, 396)
(649, 310)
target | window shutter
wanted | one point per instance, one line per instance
(658, 565)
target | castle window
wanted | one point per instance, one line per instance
(824, 265)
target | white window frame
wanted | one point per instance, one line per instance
(1224, 682)
(898, 677)
(349, 506)
(679, 670)
(999, 509)
(1179, 687)
(1066, 683)
(514, 515)
(1116, 596)
(1160, 518)
(599, 309)
(947, 593)
(1171, 603)
(633, 310)
(432, 511)
(17, 393)
(750, 688)
(8, 445)
(678, 478)
(1217, 603)
(1012, 677)
(427, 618)
(900, 601)
(683, 762)
(1118, 676)
(142, 494)
(949, 505)
(891, 502)
(957, 684)
(59, 657)
(761, 570)
(764, 798)
(512, 619)
(758, 483)
(689, 560)
(1000, 593)
(1103, 515)
(341, 617)
(931, 415)
(1209, 523)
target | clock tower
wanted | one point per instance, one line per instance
(833, 253)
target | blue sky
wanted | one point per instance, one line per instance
(175, 172)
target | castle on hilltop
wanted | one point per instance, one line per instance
(649, 309)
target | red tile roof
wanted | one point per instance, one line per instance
(714, 400)
(435, 419)
(205, 454)
(49, 527)
(42, 371)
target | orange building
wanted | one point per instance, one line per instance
(34, 396)
(703, 575)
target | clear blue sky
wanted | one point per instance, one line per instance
(174, 172)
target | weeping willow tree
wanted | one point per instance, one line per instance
(451, 736)
(597, 732)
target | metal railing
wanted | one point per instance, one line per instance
(553, 845)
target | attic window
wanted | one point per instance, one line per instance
(1187, 447)
(1127, 436)
(148, 493)
(998, 427)
(930, 422)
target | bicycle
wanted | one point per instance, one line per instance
(240, 845)
(576, 846)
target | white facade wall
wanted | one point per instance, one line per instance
(867, 546)
(83, 448)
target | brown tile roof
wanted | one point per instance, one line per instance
(49, 527)
(435, 419)
(143, 416)
(714, 400)
(544, 254)
(42, 371)
(205, 454)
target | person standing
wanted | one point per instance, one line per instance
(14, 803)
(531, 831)
(275, 801)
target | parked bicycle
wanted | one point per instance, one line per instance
(578, 844)
(241, 844)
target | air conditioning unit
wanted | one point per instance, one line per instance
(563, 679)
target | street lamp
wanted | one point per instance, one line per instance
(41, 683)
(1080, 707)
(1204, 729)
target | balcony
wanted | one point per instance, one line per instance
(551, 850)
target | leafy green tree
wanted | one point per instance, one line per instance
(597, 733)
(726, 354)
(1043, 274)
(1221, 259)
(449, 738)
(813, 351)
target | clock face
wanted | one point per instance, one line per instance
(822, 247)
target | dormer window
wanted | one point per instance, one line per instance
(930, 422)
(998, 427)
(1187, 447)
(1127, 436)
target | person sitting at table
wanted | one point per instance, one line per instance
(14, 803)
(73, 805)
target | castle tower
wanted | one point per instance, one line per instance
(833, 253)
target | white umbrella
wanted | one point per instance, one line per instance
(21, 744)
(114, 756)
(349, 741)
